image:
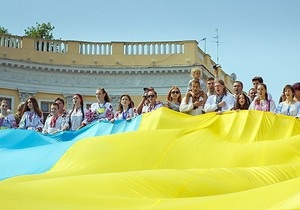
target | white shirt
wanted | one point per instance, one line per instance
(211, 105)
(60, 121)
(149, 107)
(8, 121)
(264, 105)
(75, 118)
(126, 114)
(103, 111)
(189, 107)
(31, 121)
(288, 109)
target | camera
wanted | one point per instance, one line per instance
(145, 94)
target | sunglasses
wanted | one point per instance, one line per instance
(173, 92)
(151, 96)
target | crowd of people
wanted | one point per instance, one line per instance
(199, 98)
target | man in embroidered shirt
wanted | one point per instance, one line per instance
(54, 123)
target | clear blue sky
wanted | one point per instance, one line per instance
(257, 37)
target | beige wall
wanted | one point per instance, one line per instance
(90, 57)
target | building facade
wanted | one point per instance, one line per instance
(47, 69)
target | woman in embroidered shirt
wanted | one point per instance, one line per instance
(153, 104)
(289, 106)
(6, 120)
(76, 117)
(103, 109)
(55, 122)
(174, 99)
(261, 102)
(193, 103)
(125, 110)
(32, 116)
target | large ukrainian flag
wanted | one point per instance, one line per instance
(160, 160)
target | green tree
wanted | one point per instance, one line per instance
(43, 31)
(3, 30)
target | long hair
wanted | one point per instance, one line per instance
(257, 100)
(289, 87)
(20, 107)
(35, 107)
(245, 106)
(283, 97)
(169, 96)
(120, 107)
(106, 97)
(81, 107)
(223, 84)
(266, 93)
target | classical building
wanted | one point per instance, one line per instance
(47, 69)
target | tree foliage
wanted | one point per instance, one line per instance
(43, 31)
(3, 30)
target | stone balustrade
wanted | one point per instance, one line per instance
(154, 48)
(103, 54)
(10, 41)
(93, 48)
(55, 46)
